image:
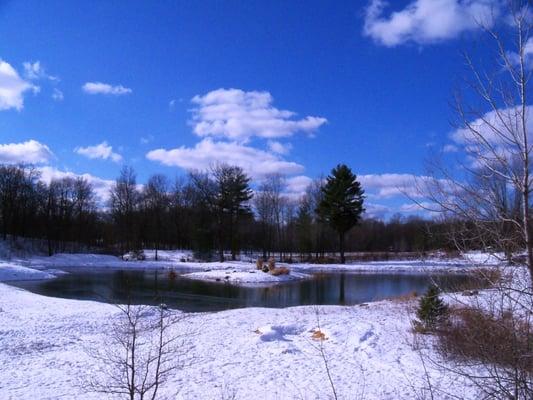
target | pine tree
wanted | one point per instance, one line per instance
(342, 204)
(231, 201)
(431, 310)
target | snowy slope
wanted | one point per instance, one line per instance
(13, 272)
(242, 354)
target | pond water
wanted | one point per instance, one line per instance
(158, 286)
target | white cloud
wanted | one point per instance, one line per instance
(238, 115)
(147, 139)
(278, 147)
(101, 186)
(427, 21)
(256, 162)
(30, 152)
(514, 58)
(389, 185)
(424, 207)
(34, 71)
(491, 124)
(298, 184)
(57, 95)
(12, 88)
(450, 148)
(103, 151)
(378, 211)
(105, 88)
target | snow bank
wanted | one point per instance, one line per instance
(169, 255)
(248, 277)
(242, 354)
(13, 272)
(479, 258)
(428, 266)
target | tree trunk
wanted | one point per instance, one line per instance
(341, 289)
(341, 247)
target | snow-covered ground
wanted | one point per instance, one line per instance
(13, 272)
(242, 354)
(236, 272)
(245, 277)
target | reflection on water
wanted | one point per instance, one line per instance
(156, 286)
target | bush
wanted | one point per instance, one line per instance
(431, 310)
(280, 271)
(499, 344)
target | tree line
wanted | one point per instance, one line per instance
(213, 212)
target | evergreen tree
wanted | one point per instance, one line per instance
(342, 204)
(232, 196)
(431, 310)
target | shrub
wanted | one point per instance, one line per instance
(499, 343)
(280, 271)
(404, 298)
(271, 263)
(431, 309)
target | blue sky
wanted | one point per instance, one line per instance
(86, 87)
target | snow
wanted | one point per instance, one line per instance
(169, 255)
(246, 277)
(483, 258)
(242, 354)
(14, 272)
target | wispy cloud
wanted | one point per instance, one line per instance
(35, 71)
(100, 151)
(57, 95)
(105, 88)
(147, 139)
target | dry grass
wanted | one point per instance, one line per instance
(172, 275)
(317, 334)
(503, 340)
(259, 263)
(280, 271)
(271, 264)
(405, 298)
(486, 277)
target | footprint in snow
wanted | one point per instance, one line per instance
(272, 333)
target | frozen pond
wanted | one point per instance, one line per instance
(159, 286)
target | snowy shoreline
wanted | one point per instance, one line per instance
(44, 340)
(234, 272)
(43, 354)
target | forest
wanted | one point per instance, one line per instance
(211, 212)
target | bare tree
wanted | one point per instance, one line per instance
(489, 197)
(123, 204)
(269, 203)
(156, 201)
(142, 350)
(487, 202)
